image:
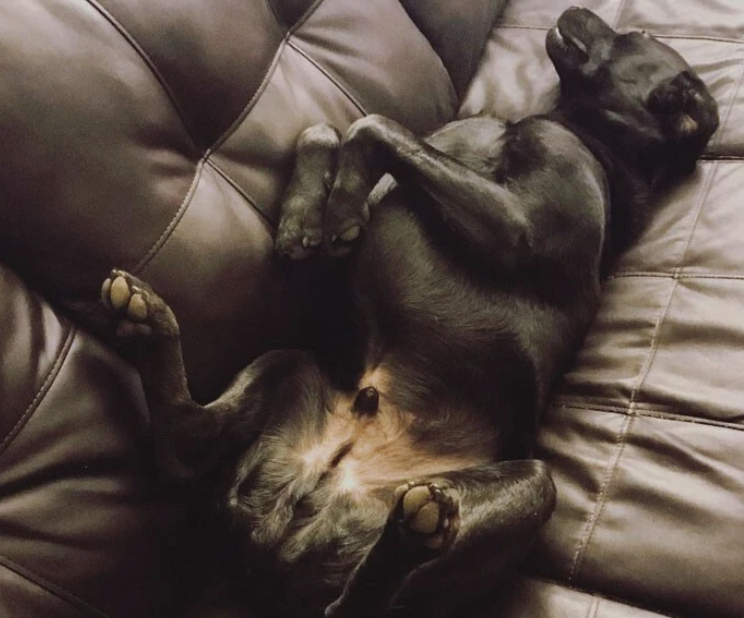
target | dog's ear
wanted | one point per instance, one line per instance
(688, 116)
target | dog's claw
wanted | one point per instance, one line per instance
(310, 242)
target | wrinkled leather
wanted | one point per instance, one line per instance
(156, 135)
(174, 123)
(82, 529)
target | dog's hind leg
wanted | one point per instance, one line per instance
(300, 230)
(449, 539)
(502, 508)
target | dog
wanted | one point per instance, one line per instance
(392, 476)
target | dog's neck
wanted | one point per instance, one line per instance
(629, 184)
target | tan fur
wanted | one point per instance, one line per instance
(363, 453)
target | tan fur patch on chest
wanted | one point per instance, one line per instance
(358, 453)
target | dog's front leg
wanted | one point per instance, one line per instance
(483, 217)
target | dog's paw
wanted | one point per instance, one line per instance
(347, 214)
(340, 241)
(300, 231)
(428, 514)
(138, 309)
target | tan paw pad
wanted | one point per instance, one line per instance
(119, 292)
(426, 520)
(137, 309)
(415, 498)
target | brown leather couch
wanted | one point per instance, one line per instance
(156, 135)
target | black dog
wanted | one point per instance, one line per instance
(388, 482)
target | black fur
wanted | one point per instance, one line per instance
(378, 476)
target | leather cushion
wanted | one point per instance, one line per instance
(644, 435)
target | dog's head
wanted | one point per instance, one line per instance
(632, 91)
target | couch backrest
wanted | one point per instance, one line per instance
(157, 136)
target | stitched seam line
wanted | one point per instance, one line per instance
(170, 228)
(43, 390)
(721, 130)
(609, 475)
(252, 101)
(277, 19)
(265, 81)
(644, 413)
(51, 588)
(604, 489)
(252, 202)
(540, 579)
(620, 9)
(672, 275)
(329, 77)
(209, 160)
(593, 608)
(127, 36)
(699, 201)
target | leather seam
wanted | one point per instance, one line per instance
(609, 474)
(604, 490)
(593, 607)
(621, 7)
(681, 276)
(654, 413)
(144, 56)
(51, 376)
(227, 133)
(328, 76)
(548, 581)
(132, 41)
(51, 588)
(174, 222)
(265, 81)
(252, 202)
(609, 477)
(734, 95)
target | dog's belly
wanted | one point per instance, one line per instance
(355, 454)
